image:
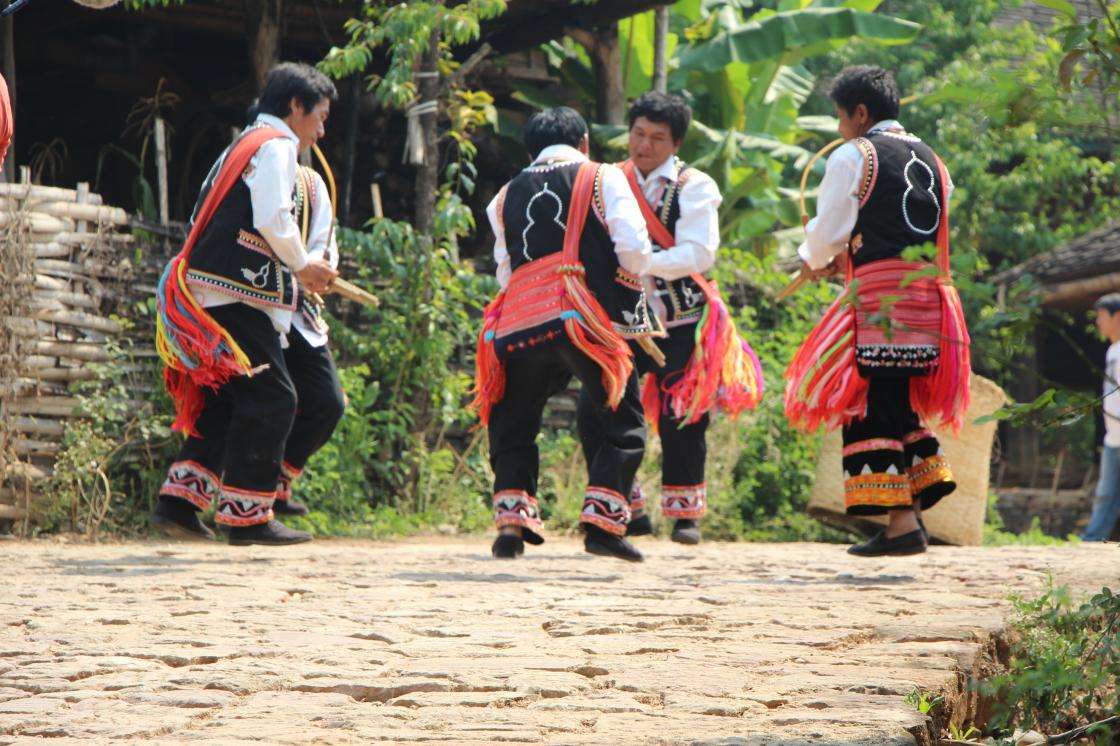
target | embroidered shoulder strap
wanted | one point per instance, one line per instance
(673, 193)
(657, 230)
(870, 168)
(500, 206)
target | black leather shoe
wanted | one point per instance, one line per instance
(508, 546)
(686, 531)
(640, 526)
(290, 506)
(597, 541)
(179, 519)
(880, 546)
(273, 533)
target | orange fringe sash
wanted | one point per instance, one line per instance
(723, 370)
(823, 383)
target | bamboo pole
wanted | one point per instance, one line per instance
(161, 169)
(23, 473)
(79, 300)
(81, 320)
(55, 406)
(87, 238)
(77, 351)
(38, 222)
(99, 214)
(29, 447)
(37, 426)
(11, 512)
(42, 282)
(35, 193)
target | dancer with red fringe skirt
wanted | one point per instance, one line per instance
(224, 303)
(708, 367)
(570, 245)
(892, 353)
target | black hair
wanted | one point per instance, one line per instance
(290, 80)
(871, 86)
(1110, 302)
(663, 108)
(253, 111)
(562, 125)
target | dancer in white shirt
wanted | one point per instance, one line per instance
(224, 303)
(707, 364)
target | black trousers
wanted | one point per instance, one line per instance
(515, 422)
(684, 450)
(244, 430)
(320, 403)
(890, 459)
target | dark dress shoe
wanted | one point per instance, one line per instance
(880, 546)
(508, 546)
(686, 531)
(597, 541)
(178, 519)
(289, 507)
(274, 533)
(640, 526)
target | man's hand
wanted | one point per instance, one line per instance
(645, 341)
(831, 270)
(317, 276)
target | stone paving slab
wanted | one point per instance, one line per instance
(351, 642)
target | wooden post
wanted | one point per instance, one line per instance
(161, 170)
(81, 199)
(262, 25)
(375, 196)
(427, 174)
(660, 49)
(606, 54)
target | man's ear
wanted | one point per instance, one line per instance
(585, 144)
(861, 114)
(296, 106)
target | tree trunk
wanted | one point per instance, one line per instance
(10, 77)
(262, 26)
(660, 49)
(606, 54)
(427, 174)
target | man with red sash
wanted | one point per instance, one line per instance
(224, 303)
(570, 245)
(893, 351)
(708, 365)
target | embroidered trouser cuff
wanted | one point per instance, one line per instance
(517, 508)
(244, 507)
(192, 482)
(890, 460)
(689, 501)
(606, 509)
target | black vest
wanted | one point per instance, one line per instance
(684, 300)
(534, 215)
(232, 258)
(900, 197)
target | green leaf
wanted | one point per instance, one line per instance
(777, 35)
(1064, 7)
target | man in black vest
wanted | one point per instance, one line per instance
(570, 245)
(242, 258)
(885, 191)
(686, 202)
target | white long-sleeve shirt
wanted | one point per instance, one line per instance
(622, 214)
(271, 178)
(320, 245)
(827, 234)
(1112, 396)
(697, 229)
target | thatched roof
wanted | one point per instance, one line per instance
(1075, 274)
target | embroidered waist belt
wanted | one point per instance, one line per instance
(533, 305)
(898, 315)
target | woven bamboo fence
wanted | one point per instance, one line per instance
(64, 262)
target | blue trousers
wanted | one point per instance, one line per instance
(1106, 507)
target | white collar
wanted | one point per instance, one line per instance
(670, 169)
(886, 124)
(277, 123)
(560, 152)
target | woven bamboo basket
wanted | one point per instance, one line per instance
(958, 518)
